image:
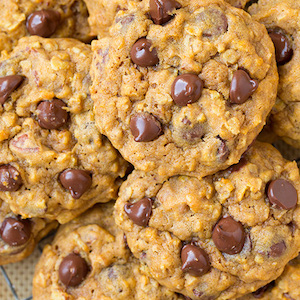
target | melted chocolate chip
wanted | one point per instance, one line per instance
(43, 22)
(194, 134)
(76, 181)
(161, 10)
(282, 194)
(145, 127)
(8, 84)
(15, 231)
(72, 270)
(194, 260)
(140, 211)
(277, 249)
(212, 22)
(238, 166)
(10, 179)
(223, 151)
(229, 236)
(283, 49)
(51, 114)
(242, 87)
(260, 292)
(142, 55)
(186, 89)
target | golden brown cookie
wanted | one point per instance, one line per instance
(18, 237)
(219, 237)
(54, 163)
(89, 259)
(187, 96)
(281, 19)
(51, 18)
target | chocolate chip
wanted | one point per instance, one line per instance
(43, 22)
(229, 236)
(194, 260)
(238, 166)
(72, 270)
(223, 151)
(193, 134)
(8, 84)
(242, 87)
(15, 231)
(10, 179)
(161, 10)
(282, 194)
(260, 292)
(277, 249)
(140, 211)
(142, 55)
(76, 181)
(212, 22)
(145, 127)
(51, 114)
(186, 89)
(283, 49)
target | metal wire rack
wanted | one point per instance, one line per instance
(16, 279)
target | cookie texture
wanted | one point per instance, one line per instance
(281, 20)
(237, 228)
(113, 273)
(286, 287)
(55, 18)
(54, 164)
(18, 237)
(187, 96)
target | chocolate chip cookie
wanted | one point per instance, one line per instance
(55, 18)
(183, 92)
(286, 287)
(218, 237)
(89, 259)
(18, 237)
(54, 162)
(281, 19)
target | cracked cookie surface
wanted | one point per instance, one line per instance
(187, 96)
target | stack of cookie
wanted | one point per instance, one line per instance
(180, 90)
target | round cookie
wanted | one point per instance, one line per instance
(202, 101)
(281, 19)
(54, 162)
(55, 18)
(104, 268)
(286, 287)
(219, 237)
(18, 237)
(103, 12)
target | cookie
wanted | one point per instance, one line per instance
(103, 267)
(103, 12)
(51, 18)
(187, 96)
(281, 20)
(286, 287)
(54, 164)
(219, 237)
(18, 237)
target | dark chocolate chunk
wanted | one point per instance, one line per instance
(145, 127)
(15, 231)
(8, 84)
(140, 211)
(186, 89)
(161, 10)
(282, 194)
(76, 181)
(43, 22)
(51, 114)
(73, 270)
(277, 249)
(142, 55)
(193, 134)
(283, 49)
(229, 236)
(194, 260)
(10, 179)
(223, 151)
